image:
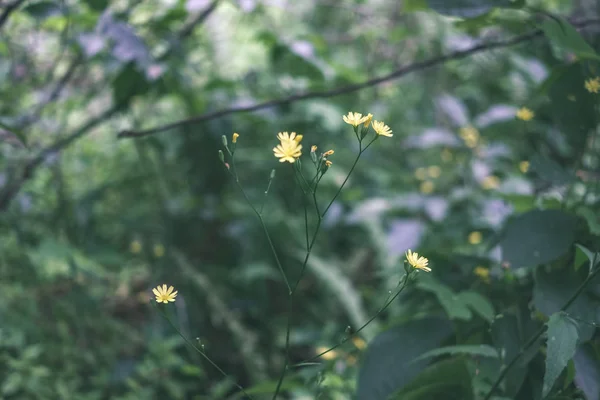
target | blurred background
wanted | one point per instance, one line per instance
(102, 199)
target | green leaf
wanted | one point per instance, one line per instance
(550, 171)
(537, 237)
(582, 254)
(385, 368)
(130, 82)
(466, 8)
(478, 303)
(482, 350)
(454, 306)
(97, 5)
(564, 36)
(562, 341)
(43, 9)
(449, 379)
(591, 217)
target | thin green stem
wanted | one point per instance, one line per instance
(360, 151)
(539, 333)
(207, 358)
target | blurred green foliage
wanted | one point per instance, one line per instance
(101, 199)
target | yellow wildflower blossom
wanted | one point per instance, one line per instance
(525, 114)
(483, 273)
(416, 261)
(475, 237)
(434, 171)
(354, 119)
(524, 166)
(164, 295)
(135, 247)
(328, 163)
(359, 342)
(313, 148)
(368, 119)
(331, 355)
(158, 250)
(490, 182)
(470, 135)
(328, 153)
(290, 148)
(593, 85)
(382, 129)
(421, 173)
(235, 137)
(426, 187)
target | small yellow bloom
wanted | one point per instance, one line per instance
(593, 85)
(416, 261)
(426, 187)
(524, 166)
(382, 129)
(470, 135)
(525, 114)
(163, 295)
(447, 155)
(475, 237)
(328, 163)
(354, 119)
(290, 148)
(359, 342)
(313, 148)
(328, 153)
(158, 250)
(421, 173)
(135, 247)
(235, 137)
(490, 182)
(434, 171)
(483, 273)
(331, 355)
(351, 360)
(368, 119)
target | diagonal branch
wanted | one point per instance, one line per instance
(9, 8)
(417, 66)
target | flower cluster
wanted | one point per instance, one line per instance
(289, 149)
(356, 119)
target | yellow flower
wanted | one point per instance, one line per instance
(416, 261)
(163, 295)
(159, 250)
(235, 136)
(328, 153)
(490, 182)
(524, 166)
(434, 171)
(290, 148)
(313, 148)
(427, 187)
(359, 342)
(368, 119)
(354, 119)
(328, 163)
(525, 114)
(382, 129)
(135, 247)
(475, 237)
(482, 273)
(470, 135)
(421, 173)
(593, 85)
(331, 355)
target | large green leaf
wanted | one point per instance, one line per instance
(130, 82)
(564, 36)
(455, 307)
(478, 303)
(482, 350)
(562, 342)
(385, 369)
(449, 379)
(537, 237)
(467, 8)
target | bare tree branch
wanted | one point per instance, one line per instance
(417, 66)
(8, 9)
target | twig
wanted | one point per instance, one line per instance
(417, 66)
(8, 10)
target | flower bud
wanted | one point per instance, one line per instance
(222, 156)
(224, 140)
(235, 137)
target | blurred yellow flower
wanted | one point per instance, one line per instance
(331, 355)
(313, 148)
(328, 153)
(426, 187)
(382, 129)
(351, 360)
(158, 250)
(421, 173)
(135, 247)
(359, 342)
(490, 182)
(593, 85)
(524, 166)
(475, 237)
(328, 163)
(483, 273)
(470, 135)
(164, 295)
(434, 171)
(368, 119)
(235, 137)
(417, 262)
(354, 119)
(290, 148)
(525, 114)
